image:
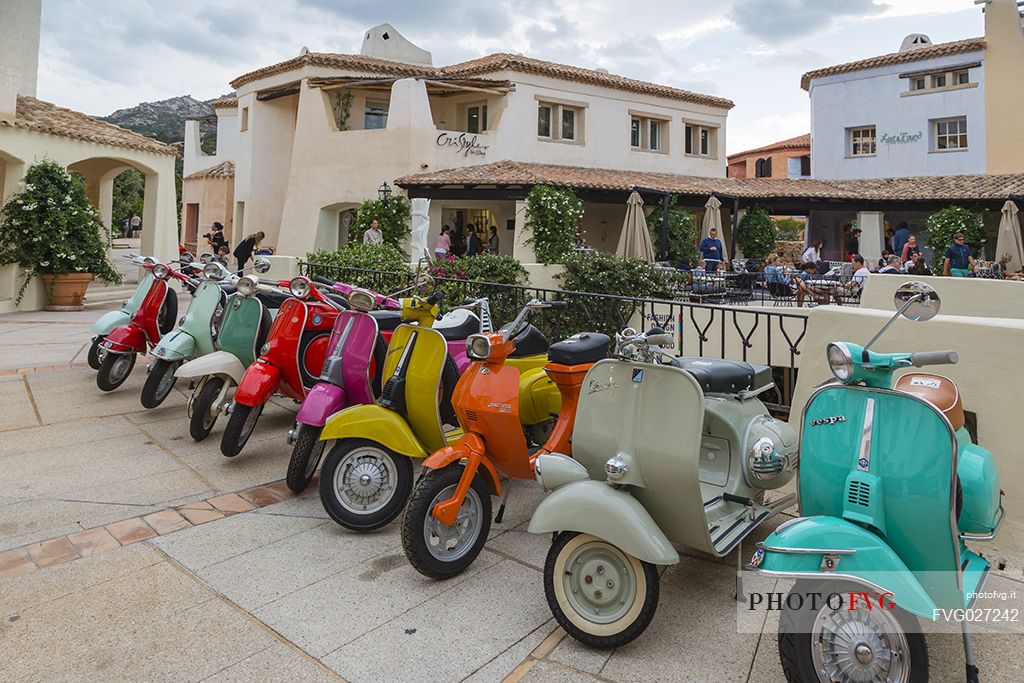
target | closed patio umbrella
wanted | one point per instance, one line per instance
(712, 217)
(1009, 240)
(420, 226)
(635, 240)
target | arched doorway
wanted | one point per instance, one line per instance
(334, 226)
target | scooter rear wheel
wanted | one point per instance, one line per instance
(159, 383)
(364, 485)
(204, 409)
(114, 370)
(601, 596)
(306, 454)
(434, 548)
(850, 645)
(239, 429)
(96, 354)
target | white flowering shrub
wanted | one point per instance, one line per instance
(945, 223)
(51, 227)
(553, 214)
(392, 218)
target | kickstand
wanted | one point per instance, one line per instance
(504, 499)
(972, 669)
(739, 577)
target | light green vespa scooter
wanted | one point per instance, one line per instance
(891, 488)
(665, 451)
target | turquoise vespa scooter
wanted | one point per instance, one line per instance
(890, 488)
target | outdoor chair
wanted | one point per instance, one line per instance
(782, 294)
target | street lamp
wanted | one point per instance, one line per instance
(384, 192)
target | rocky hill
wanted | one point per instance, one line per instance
(165, 120)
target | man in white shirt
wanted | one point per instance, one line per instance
(373, 235)
(860, 274)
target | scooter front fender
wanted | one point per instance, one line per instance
(375, 423)
(470, 448)
(218, 363)
(108, 322)
(595, 508)
(322, 401)
(126, 338)
(176, 345)
(258, 384)
(827, 548)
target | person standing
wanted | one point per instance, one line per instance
(918, 266)
(459, 241)
(245, 249)
(373, 235)
(959, 262)
(900, 239)
(443, 245)
(474, 247)
(216, 238)
(909, 249)
(853, 244)
(136, 225)
(712, 251)
(492, 241)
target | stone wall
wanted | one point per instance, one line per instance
(790, 251)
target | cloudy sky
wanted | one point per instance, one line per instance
(97, 56)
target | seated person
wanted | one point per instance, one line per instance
(892, 265)
(223, 254)
(884, 261)
(918, 266)
(860, 276)
(775, 277)
(808, 271)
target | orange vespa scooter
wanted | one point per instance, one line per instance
(449, 513)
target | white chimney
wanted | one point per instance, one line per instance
(19, 52)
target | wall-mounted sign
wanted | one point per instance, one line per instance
(902, 138)
(464, 144)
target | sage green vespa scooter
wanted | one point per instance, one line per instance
(665, 451)
(891, 488)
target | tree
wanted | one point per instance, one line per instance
(789, 229)
(944, 223)
(129, 191)
(682, 232)
(756, 233)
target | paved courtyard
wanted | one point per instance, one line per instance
(130, 552)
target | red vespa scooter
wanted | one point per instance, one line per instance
(155, 317)
(290, 362)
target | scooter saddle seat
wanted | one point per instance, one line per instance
(387, 320)
(338, 299)
(585, 347)
(272, 300)
(940, 391)
(529, 342)
(227, 289)
(457, 325)
(716, 376)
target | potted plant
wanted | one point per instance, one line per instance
(53, 231)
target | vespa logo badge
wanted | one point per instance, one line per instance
(828, 420)
(758, 559)
(594, 386)
(638, 375)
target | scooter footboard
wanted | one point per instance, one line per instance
(177, 345)
(108, 322)
(593, 507)
(829, 548)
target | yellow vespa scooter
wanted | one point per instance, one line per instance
(368, 475)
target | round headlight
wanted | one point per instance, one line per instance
(362, 300)
(840, 361)
(763, 461)
(161, 272)
(299, 287)
(478, 347)
(213, 271)
(246, 286)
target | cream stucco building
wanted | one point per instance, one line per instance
(318, 134)
(31, 129)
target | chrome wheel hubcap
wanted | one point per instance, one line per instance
(599, 582)
(365, 480)
(121, 367)
(449, 543)
(859, 646)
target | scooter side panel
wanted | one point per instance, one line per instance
(375, 423)
(149, 311)
(128, 337)
(240, 326)
(593, 507)
(886, 459)
(873, 561)
(356, 351)
(539, 397)
(219, 363)
(109, 321)
(258, 384)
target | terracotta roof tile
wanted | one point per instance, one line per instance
(224, 103)
(225, 169)
(505, 173)
(799, 142)
(483, 65)
(43, 117)
(913, 55)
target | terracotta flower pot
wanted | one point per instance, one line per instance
(67, 293)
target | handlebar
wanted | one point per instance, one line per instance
(559, 305)
(322, 280)
(436, 297)
(921, 358)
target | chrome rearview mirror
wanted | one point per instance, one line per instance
(205, 258)
(423, 280)
(261, 265)
(917, 301)
(187, 257)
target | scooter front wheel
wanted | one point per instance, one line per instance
(601, 596)
(205, 410)
(239, 429)
(306, 454)
(159, 383)
(114, 370)
(851, 643)
(364, 485)
(434, 548)
(96, 353)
